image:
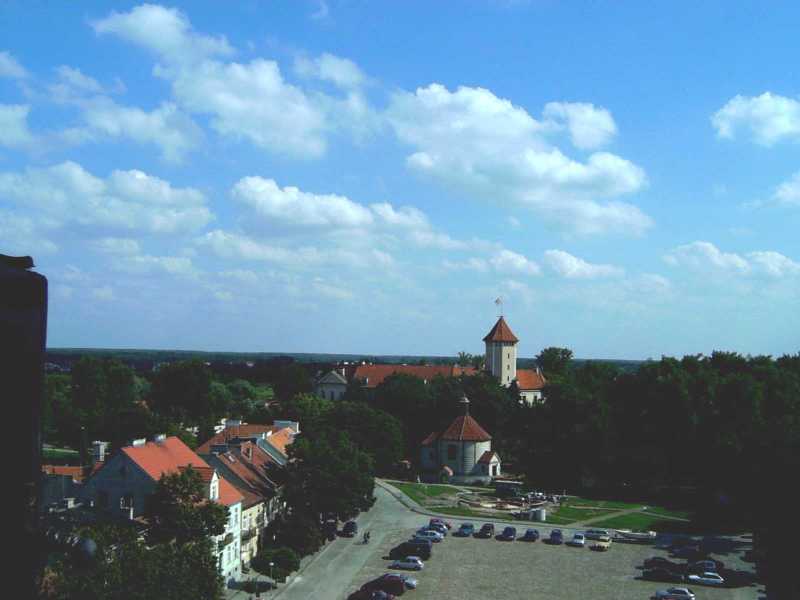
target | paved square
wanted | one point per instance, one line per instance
(469, 568)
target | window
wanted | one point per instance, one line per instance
(126, 502)
(451, 452)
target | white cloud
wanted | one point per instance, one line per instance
(112, 245)
(768, 118)
(322, 287)
(14, 132)
(589, 126)
(167, 127)
(506, 261)
(705, 257)
(788, 193)
(143, 264)
(253, 102)
(472, 140)
(773, 263)
(77, 80)
(9, 67)
(702, 255)
(20, 235)
(341, 72)
(232, 245)
(572, 267)
(166, 32)
(124, 201)
(292, 206)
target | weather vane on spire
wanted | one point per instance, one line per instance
(499, 302)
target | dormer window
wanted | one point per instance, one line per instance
(213, 492)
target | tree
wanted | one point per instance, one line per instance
(182, 390)
(329, 474)
(554, 361)
(373, 431)
(464, 359)
(178, 511)
(290, 381)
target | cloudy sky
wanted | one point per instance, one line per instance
(367, 177)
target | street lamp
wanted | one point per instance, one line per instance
(271, 580)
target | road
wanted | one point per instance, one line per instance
(340, 561)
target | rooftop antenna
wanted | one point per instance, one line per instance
(499, 302)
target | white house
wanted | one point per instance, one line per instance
(331, 386)
(125, 480)
(462, 453)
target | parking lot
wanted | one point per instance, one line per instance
(469, 568)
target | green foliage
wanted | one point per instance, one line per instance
(554, 361)
(328, 473)
(178, 512)
(282, 557)
(125, 568)
(183, 391)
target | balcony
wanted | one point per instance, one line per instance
(249, 534)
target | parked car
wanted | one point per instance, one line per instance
(578, 540)
(556, 537)
(487, 531)
(706, 565)
(600, 546)
(447, 524)
(662, 574)
(370, 595)
(707, 578)
(409, 581)
(664, 563)
(350, 529)
(596, 534)
(466, 530)
(330, 529)
(509, 534)
(421, 548)
(412, 563)
(439, 528)
(389, 582)
(676, 593)
(531, 535)
(429, 534)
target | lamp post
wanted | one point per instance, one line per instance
(271, 580)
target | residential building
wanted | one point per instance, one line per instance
(122, 484)
(272, 439)
(331, 385)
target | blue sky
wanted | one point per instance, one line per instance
(368, 177)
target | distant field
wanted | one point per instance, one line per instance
(423, 492)
(571, 514)
(635, 521)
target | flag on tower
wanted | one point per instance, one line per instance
(498, 301)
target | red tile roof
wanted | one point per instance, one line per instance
(75, 472)
(432, 437)
(465, 429)
(248, 430)
(170, 456)
(501, 332)
(487, 457)
(528, 379)
(250, 466)
(374, 375)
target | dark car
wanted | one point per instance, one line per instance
(556, 537)
(706, 565)
(509, 534)
(531, 535)
(329, 528)
(413, 548)
(370, 595)
(661, 574)
(447, 524)
(389, 582)
(659, 562)
(350, 529)
(487, 531)
(466, 530)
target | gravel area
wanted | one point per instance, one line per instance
(468, 568)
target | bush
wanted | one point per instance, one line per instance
(283, 558)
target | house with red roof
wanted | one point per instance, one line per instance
(500, 361)
(121, 487)
(462, 453)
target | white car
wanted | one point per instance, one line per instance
(577, 540)
(413, 563)
(428, 534)
(706, 578)
(676, 593)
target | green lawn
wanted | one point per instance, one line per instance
(423, 492)
(669, 512)
(634, 521)
(616, 504)
(59, 453)
(579, 514)
(460, 511)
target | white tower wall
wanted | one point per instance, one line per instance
(501, 358)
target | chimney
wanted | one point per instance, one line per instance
(99, 451)
(159, 437)
(139, 442)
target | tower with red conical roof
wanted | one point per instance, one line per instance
(501, 352)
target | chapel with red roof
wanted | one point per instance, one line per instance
(462, 453)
